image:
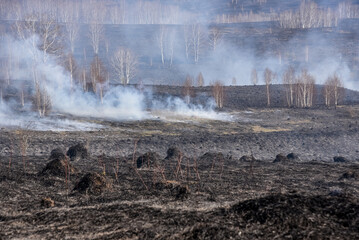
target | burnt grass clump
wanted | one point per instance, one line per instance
(58, 165)
(77, 152)
(92, 183)
(211, 160)
(148, 159)
(173, 153)
(340, 159)
(281, 158)
(247, 158)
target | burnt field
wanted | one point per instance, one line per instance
(252, 173)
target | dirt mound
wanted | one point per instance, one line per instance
(57, 153)
(281, 158)
(300, 216)
(340, 159)
(173, 153)
(292, 156)
(210, 159)
(77, 152)
(351, 174)
(247, 158)
(47, 202)
(58, 167)
(148, 159)
(176, 189)
(180, 192)
(92, 183)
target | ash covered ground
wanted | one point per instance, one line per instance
(182, 176)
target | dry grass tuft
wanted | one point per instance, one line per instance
(259, 129)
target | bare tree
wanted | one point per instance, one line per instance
(327, 92)
(197, 41)
(171, 45)
(337, 85)
(215, 37)
(288, 81)
(26, 30)
(83, 79)
(187, 39)
(268, 78)
(304, 89)
(161, 42)
(254, 77)
(98, 76)
(48, 31)
(333, 90)
(188, 89)
(96, 35)
(42, 101)
(51, 37)
(124, 62)
(200, 80)
(71, 67)
(218, 93)
(72, 29)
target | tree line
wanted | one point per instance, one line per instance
(300, 89)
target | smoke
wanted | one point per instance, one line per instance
(118, 103)
(174, 108)
(320, 52)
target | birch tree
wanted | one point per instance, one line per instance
(268, 78)
(197, 41)
(333, 90)
(98, 76)
(124, 63)
(215, 37)
(288, 81)
(218, 93)
(96, 35)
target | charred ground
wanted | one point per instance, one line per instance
(203, 189)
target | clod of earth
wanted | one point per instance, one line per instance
(47, 202)
(210, 159)
(280, 158)
(57, 153)
(292, 156)
(92, 183)
(148, 159)
(340, 159)
(247, 158)
(352, 174)
(181, 192)
(173, 153)
(58, 166)
(77, 152)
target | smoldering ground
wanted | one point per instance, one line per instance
(118, 103)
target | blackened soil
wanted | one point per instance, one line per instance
(206, 192)
(178, 200)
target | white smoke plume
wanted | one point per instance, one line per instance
(119, 103)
